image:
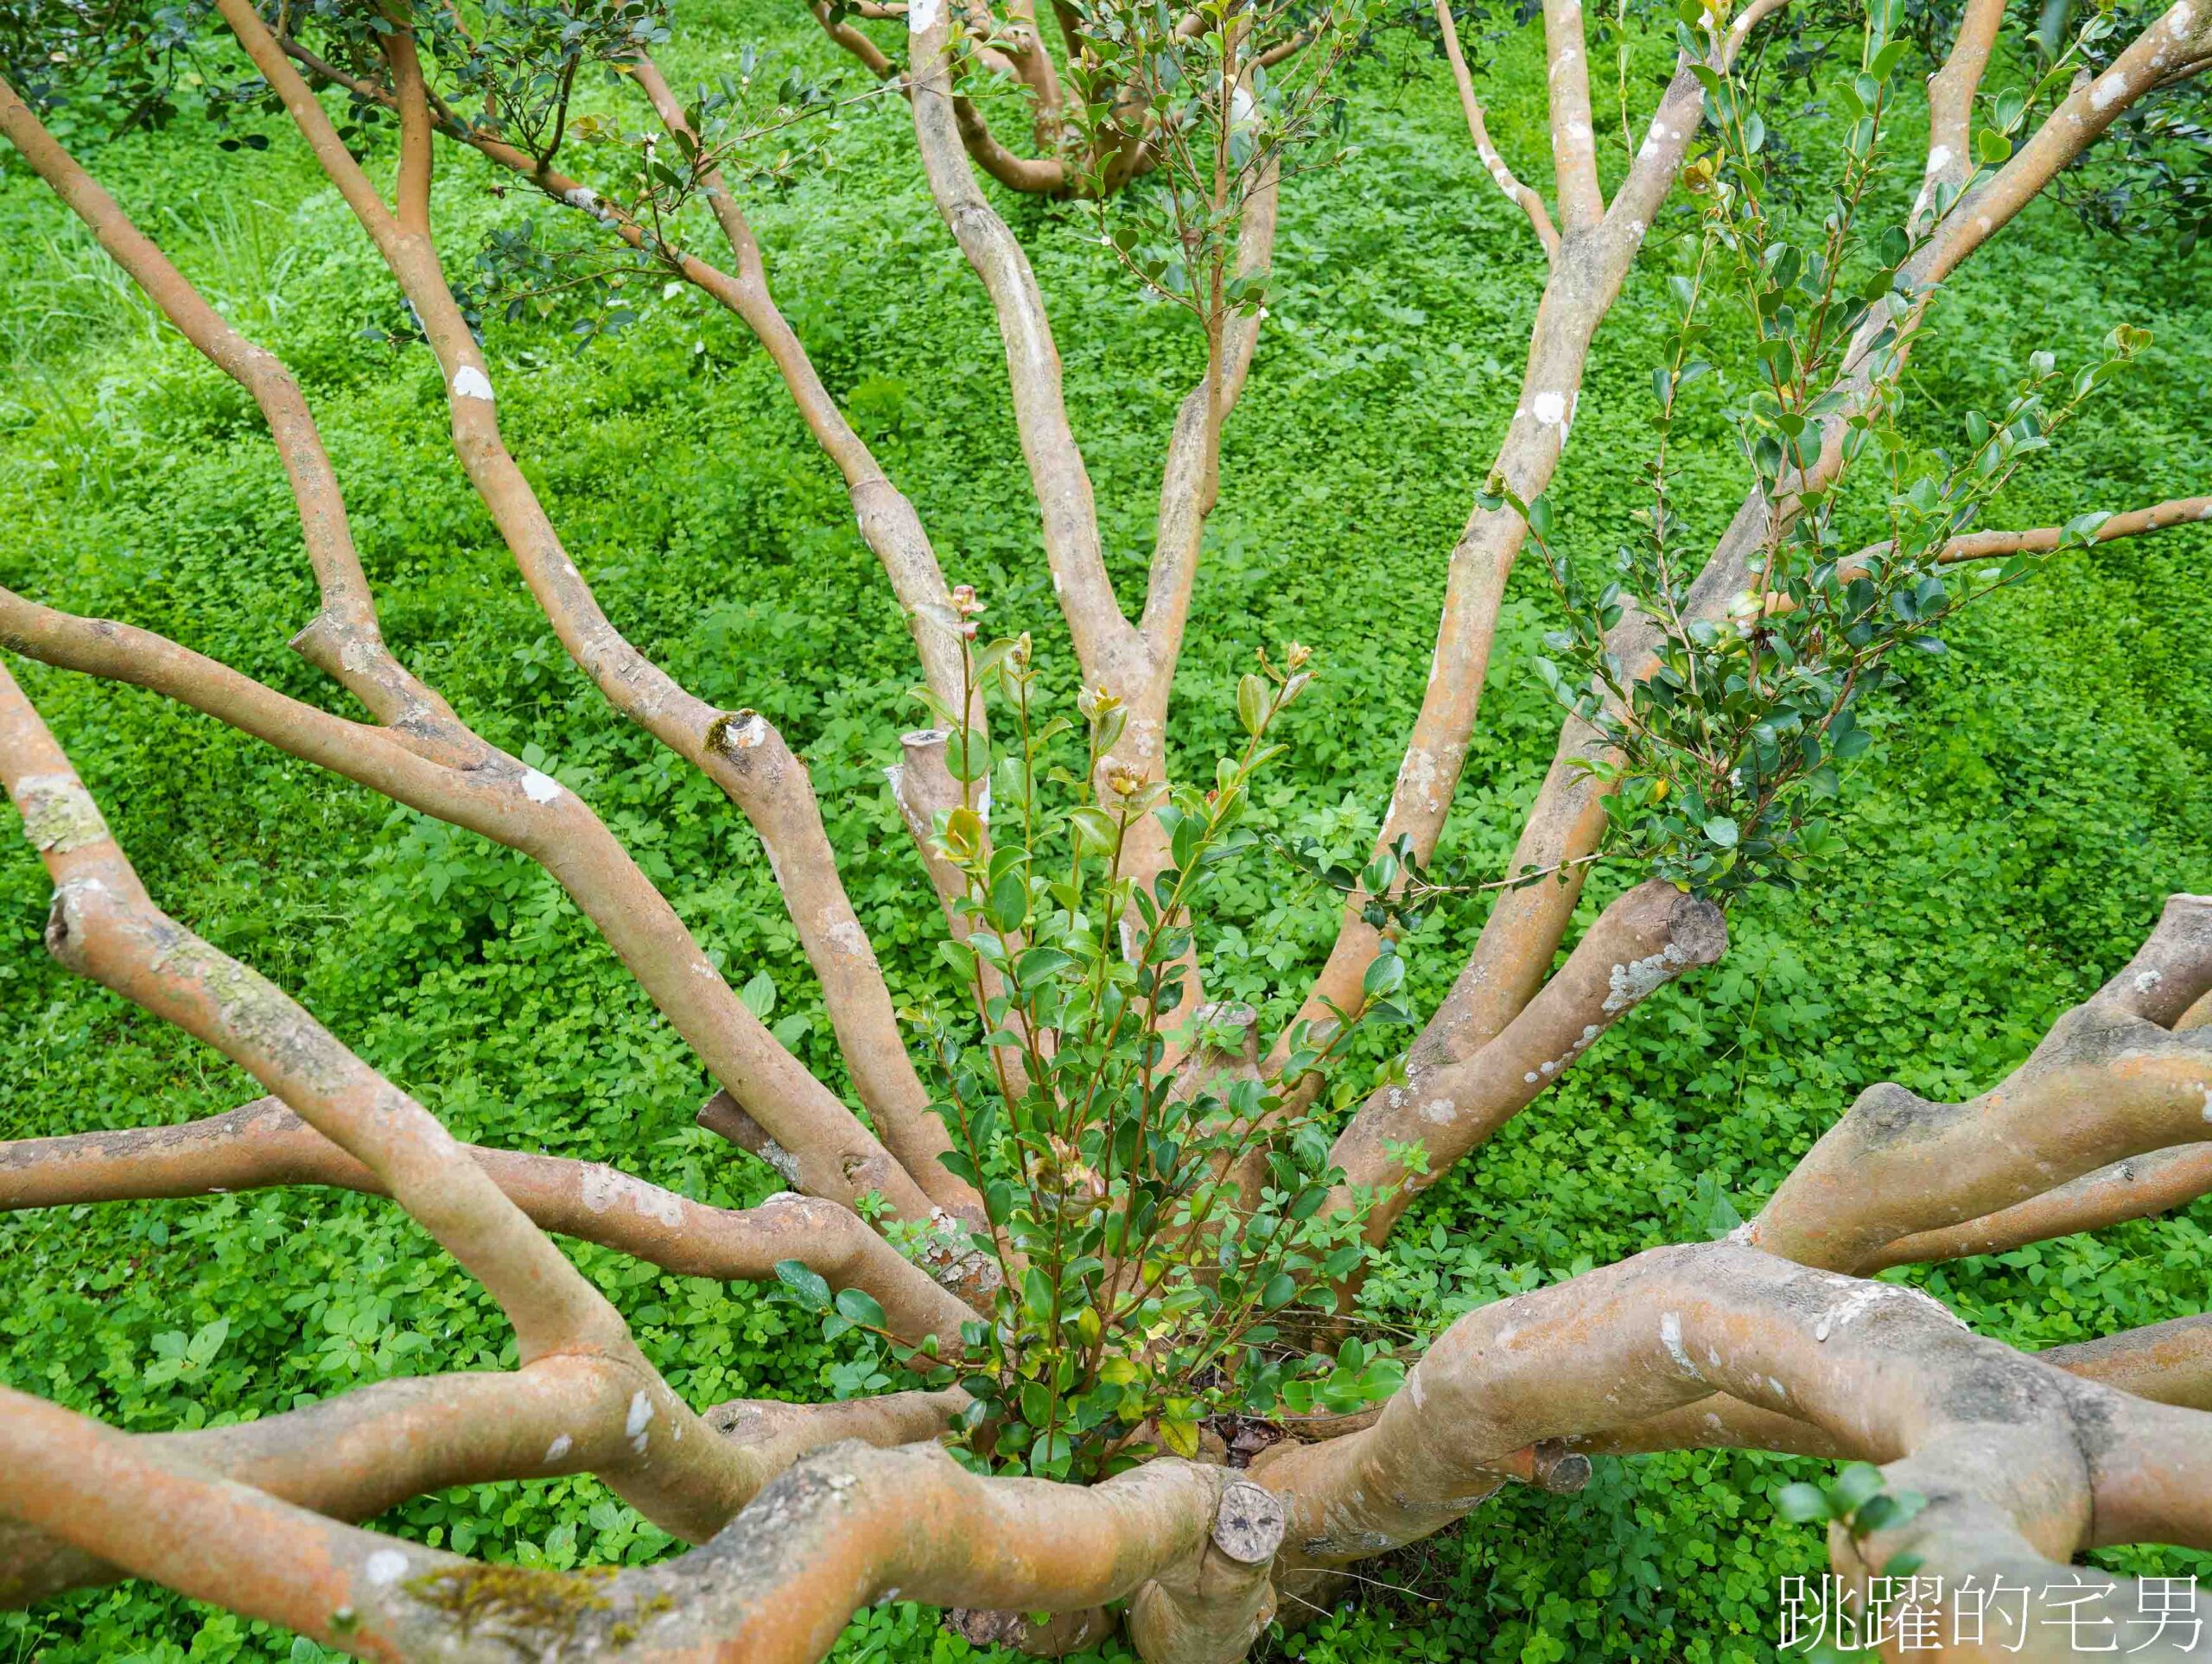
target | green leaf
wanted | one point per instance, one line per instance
(759, 994)
(859, 1307)
(1855, 1485)
(1097, 832)
(1252, 703)
(970, 762)
(1802, 1503)
(1009, 906)
(1723, 831)
(808, 1287)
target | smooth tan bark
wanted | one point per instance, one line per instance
(264, 1143)
(2112, 1080)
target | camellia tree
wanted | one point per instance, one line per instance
(1104, 1239)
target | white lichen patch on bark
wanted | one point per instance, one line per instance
(1418, 778)
(1670, 1336)
(59, 814)
(1633, 981)
(539, 788)
(469, 382)
(601, 1187)
(781, 1159)
(944, 1248)
(561, 1447)
(1862, 1297)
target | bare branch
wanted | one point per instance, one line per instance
(1190, 482)
(264, 1143)
(484, 790)
(1453, 1100)
(1108, 646)
(2025, 1464)
(1526, 926)
(1950, 106)
(1530, 203)
(2109, 1081)
(2137, 1188)
(1574, 142)
(526, 811)
(2177, 43)
(103, 926)
(1988, 545)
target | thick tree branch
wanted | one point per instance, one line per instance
(2025, 1463)
(352, 1456)
(1574, 142)
(525, 810)
(1950, 106)
(2166, 1364)
(2110, 1081)
(843, 1525)
(1453, 1099)
(104, 927)
(2137, 1188)
(264, 1143)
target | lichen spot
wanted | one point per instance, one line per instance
(1628, 984)
(1670, 1336)
(59, 814)
(539, 788)
(1438, 1110)
(1550, 409)
(2146, 980)
(641, 1412)
(561, 1447)
(384, 1567)
(920, 15)
(469, 382)
(781, 1159)
(520, 1605)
